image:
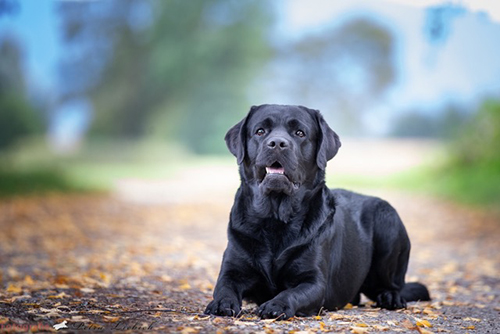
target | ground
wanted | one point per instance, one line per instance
(146, 257)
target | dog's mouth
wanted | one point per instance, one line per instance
(275, 176)
(275, 168)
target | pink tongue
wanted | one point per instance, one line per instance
(275, 170)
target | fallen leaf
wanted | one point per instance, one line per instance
(13, 299)
(48, 313)
(423, 331)
(110, 319)
(58, 296)
(185, 286)
(359, 330)
(360, 325)
(408, 324)
(79, 318)
(13, 288)
(28, 280)
(381, 328)
(189, 330)
(337, 316)
(423, 323)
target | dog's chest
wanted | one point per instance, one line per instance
(274, 243)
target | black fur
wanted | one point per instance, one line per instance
(296, 246)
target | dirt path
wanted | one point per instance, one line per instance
(101, 263)
(147, 257)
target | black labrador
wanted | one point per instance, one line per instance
(296, 246)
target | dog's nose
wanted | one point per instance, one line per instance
(277, 142)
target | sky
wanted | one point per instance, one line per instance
(465, 67)
(36, 26)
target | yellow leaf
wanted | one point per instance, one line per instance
(423, 331)
(348, 306)
(14, 289)
(185, 286)
(28, 280)
(189, 330)
(423, 323)
(359, 330)
(59, 295)
(381, 328)
(470, 327)
(110, 319)
(337, 316)
(429, 311)
(317, 317)
(360, 325)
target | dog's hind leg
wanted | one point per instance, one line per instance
(386, 277)
(356, 300)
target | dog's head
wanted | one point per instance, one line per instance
(281, 148)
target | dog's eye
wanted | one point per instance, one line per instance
(300, 133)
(260, 132)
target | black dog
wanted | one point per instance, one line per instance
(295, 245)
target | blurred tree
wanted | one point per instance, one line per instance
(472, 172)
(444, 124)
(17, 117)
(174, 69)
(479, 143)
(344, 68)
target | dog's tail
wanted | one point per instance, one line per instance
(414, 292)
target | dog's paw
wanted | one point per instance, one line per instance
(224, 306)
(275, 309)
(391, 300)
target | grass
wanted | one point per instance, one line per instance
(34, 182)
(33, 169)
(478, 186)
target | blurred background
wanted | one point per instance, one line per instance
(135, 96)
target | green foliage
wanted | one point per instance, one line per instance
(446, 124)
(17, 117)
(176, 71)
(473, 171)
(32, 182)
(347, 68)
(479, 143)
(17, 120)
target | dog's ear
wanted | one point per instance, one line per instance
(328, 142)
(236, 138)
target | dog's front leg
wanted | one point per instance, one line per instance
(233, 281)
(227, 299)
(305, 299)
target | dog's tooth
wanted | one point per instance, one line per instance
(271, 170)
